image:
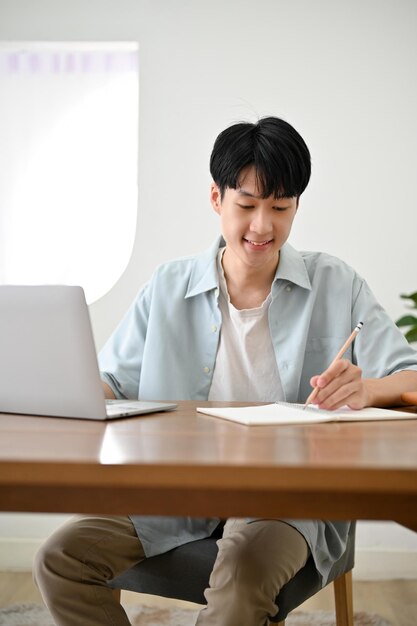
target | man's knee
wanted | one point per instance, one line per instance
(93, 548)
(46, 564)
(241, 559)
(61, 554)
(263, 550)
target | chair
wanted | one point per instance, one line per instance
(183, 573)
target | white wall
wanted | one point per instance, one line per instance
(342, 72)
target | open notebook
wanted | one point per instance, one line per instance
(288, 413)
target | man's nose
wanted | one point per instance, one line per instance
(261, 222)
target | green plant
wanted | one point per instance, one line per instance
(409, 320)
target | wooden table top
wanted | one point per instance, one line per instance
(187, 463)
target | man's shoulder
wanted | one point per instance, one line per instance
(327, 271)
(182, 266)
(318, 261)
(192, 274)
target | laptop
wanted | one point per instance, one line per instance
(48, 361)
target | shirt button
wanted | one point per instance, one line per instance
(206, 370)
(288, 288)
(213, 328)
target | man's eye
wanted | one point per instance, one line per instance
(245, 206)
(280, 208)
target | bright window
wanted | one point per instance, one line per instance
(68, 163)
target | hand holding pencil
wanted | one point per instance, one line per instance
(338, 356)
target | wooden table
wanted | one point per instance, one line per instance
(185, 463)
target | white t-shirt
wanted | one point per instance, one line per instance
(246, 368)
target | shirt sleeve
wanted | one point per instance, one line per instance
(380, 348)
(120, 360)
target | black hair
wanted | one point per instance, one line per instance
(273, 147)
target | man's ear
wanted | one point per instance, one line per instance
(215, 197)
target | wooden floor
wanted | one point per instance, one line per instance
(396, 600)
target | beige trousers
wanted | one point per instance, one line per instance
(255, 560)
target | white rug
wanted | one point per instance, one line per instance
(37, 615)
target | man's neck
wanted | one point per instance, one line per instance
(248, 287)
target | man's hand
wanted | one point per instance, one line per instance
(341, 384)
(108, 392)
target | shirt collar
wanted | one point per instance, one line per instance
(204, 276)
(292, 267)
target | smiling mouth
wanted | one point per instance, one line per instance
(257, 243)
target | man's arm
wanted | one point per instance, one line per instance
(108, 392)
(387, 391)
(342, 383)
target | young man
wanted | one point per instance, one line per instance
(251, 319)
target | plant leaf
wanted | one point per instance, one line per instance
(411, 296)
(411, 335)
(407, 320)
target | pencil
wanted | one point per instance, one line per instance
(338, 356)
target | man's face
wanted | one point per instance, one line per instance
(254, 228)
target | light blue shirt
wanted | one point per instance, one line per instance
(165, 349)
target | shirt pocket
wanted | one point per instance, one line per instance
(319, 353)
(326, 347)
